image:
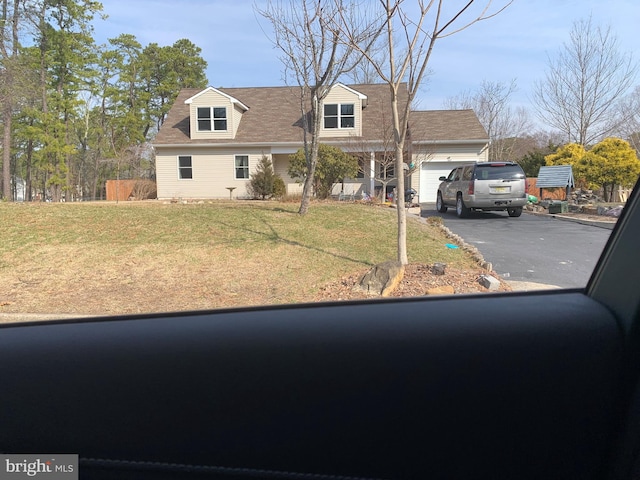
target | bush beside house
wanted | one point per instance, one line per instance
(264, 183)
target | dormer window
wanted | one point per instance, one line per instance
(209, 117)
(339, 115)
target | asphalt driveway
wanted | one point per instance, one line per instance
(531, 248)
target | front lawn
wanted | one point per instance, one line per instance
(106, 259)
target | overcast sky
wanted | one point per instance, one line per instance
(513, 45)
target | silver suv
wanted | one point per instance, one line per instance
(484, 186)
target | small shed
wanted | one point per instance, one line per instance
(554, 177)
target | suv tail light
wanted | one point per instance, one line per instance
(526, 186)
(472, 187)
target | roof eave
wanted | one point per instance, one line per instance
(361, 96)
(229, 144)
(233, 100)
(460, 141)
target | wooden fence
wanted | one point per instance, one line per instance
(547, 193)
(120, 189)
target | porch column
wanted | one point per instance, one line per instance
(372, 174)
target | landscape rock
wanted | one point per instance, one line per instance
(614, 212)
(442, 290)
(581, 196)
(382, 279)
(439, 268)
(575, 208)
(489, 282)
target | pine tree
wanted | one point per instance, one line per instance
(261, 182)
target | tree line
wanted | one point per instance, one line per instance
(75, 113)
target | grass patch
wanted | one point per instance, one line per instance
(103, 258)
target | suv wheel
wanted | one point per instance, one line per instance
(461, 210)
(515, 211)
(440, 206)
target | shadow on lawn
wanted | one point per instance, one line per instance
(275, 237)
(283, 210)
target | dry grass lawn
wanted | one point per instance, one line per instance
(132, 257)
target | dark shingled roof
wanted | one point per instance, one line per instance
(443, 125)
(274, 116)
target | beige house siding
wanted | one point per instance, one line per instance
(450, 152)
(213, 171)
(280, 167)
(351, 186)
(339, 95)
(214, 99)
(237, 116)
(415, 181)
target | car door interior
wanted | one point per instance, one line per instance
(525, 385)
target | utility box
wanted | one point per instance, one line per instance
(559, 207)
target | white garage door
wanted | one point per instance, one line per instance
(429, 177)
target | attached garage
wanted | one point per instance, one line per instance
(441, 141)
(429, 177)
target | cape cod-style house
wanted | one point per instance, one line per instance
(212, 139)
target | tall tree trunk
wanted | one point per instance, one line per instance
(67, 158)
(307, 189)
(45, 105)
(6, 149)
(402, 214)
(28, 194)
(608, 193)
(9, 54)
(383, 191)
(96, 175)
(311, 154)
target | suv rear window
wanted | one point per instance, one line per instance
(488, 172)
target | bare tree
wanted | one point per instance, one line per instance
(411, 33)
(628, 124)
(504, 124)
(579, 92)
(364, 72)
(382, 153)
(314, 57)
(384, 171)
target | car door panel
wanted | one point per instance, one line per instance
(450, 188)
(424, 388)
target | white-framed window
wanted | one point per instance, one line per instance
(185, 167)
(212, 118)
(242, 166)
(339, 115)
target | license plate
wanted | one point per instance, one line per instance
(500, 189)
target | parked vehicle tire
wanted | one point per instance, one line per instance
(440, 206)
(515, 211)
(461, 210)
